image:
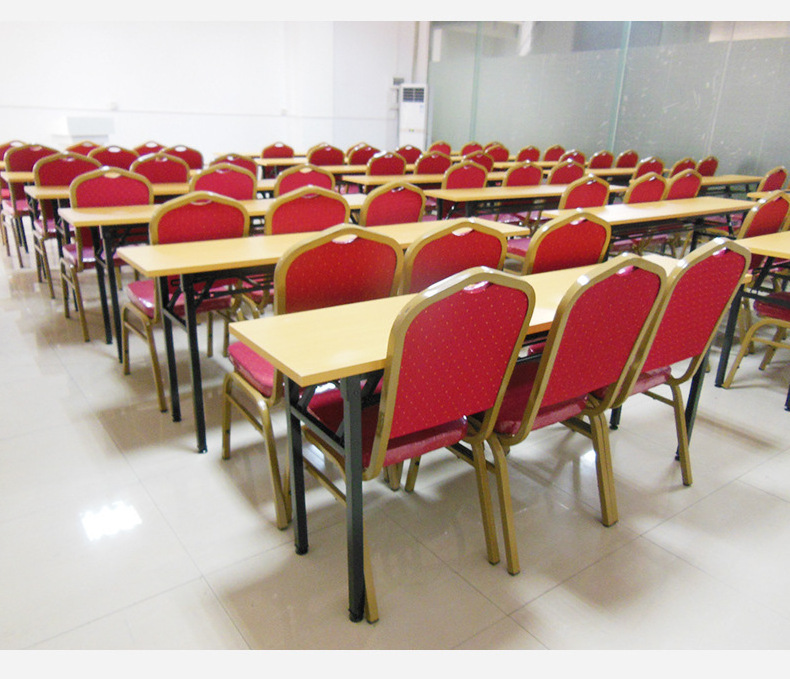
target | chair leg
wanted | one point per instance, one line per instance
(505, 505)
(41, 248)
(210, 335)
(393, 475)
(146, 333)
(411, 476)
(745, 343)
(486, 510)
(779, 336)
(683, 439)
(603, 464)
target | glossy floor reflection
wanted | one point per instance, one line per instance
(116, 534)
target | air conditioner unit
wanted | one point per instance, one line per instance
(412, 114)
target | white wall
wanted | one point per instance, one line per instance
(217, 86)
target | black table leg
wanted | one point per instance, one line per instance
(101, 262)
(729, 333)
(194, 360)
(108, 249)
(297, 468)
(172, 372)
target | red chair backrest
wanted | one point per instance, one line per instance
(471, 147)
(226, 180)
(585, 192)
(481, 158)
(601, 160)
(193, 157)
(649, 165)
(565, 172)
(465, 175)
(441, 147)
(60, 169)
(386, 163)
(393, 204)
(432, 162)
(574, 155)
(277, 150)
(326, 154)
(526, 174)
(161, 168)
(114, 156)
(83, 147)
(239, 161)
(149, 147)
(707, 166)
(198, 216)
(362, 154)
(23, 158)
(449, 250)
(648, 188)
(303, 175)
(530, 153)
(567, 243)
(409, 152)
(685, 184)
(498, 152)
(774, 180)
(627, 159)
(307, 209)
(553, 152)
(683, 164)
(770, 215)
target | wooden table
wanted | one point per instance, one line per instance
(727, 183)
(354, 340)
(416, 179)
(772, 246)
(199, 264)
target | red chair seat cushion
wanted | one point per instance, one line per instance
(517, 395)
(763, 307)
(518, 246)
(646, 381)
(327, 406)
(70, 255)
(252, 367)
(142, 295)
(21, 207)
(50, 230)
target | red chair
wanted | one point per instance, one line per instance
(228, 180)
(325, 154)
(361, 154)
(15, 207)
(450, 354)
(386, 163)
(149, 147)
(276, 150)
(440, 147)
(193, 157)
(525, 174)
(310, 208)
(463, 175)
(393, 203)
(574, 155)
(707, 166)
(648, 188)
(341, 265)
(198, 216)
(681, 165)
(601, 160)
(83, 148)
(160, 168)
(773, 180)
(471, 147)
(565, 172)
(4, 190)
(498, 152)
(699, 292)
(595, 337)
(240, 161)
(589, 191)
(553, 153)
(563, 243)
(684, 184)
(303, 175)
(114, 156)
(481, 158)
(627, 158)
(433, 162)
(650, 164)
(105, 187)
(448, 250)
(57, 169)
(410, 153)
(528, 153)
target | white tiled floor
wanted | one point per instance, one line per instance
(199, 563)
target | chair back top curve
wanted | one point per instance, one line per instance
(448, 249)
(628, 158)
(303, 175)
(465, 175)
(526, 174)
(310, 208)
(360, 155)
(228, 180)
(440, 146)
(528, 153)
(481, 158)
(387, 163)
(684, 184)
(773, 180)
(432, 162)
(648, 188)
(566, 172)
(60, 169)
(409, 152)
(575, 155)
(553, 152)
(450, 355)
(396, 202)
(589, 191)
(651, 164)
(148, 147)
(197, 216)
(110, 187)
(114, 156)
(707, 166)
(596, 335)
(498, 152)
(326, 154)
(341, 265)
(193, 157)
(601, 160)
(471, 147)
(770, 215)
(161, 168)
(681, 165)
(277, 150)
(23, 158)
(83, 148)
(564, 243)
(239, 160)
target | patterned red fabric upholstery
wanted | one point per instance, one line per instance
(575, 156)
(707, 166)
(386, 163)
(592, 193)
(553, 152)
(648, 188)
(433, 162)
(290, 180)
(451, 254)
(498, 153)
(518, 246)
(227, 182)
(578, 243)
(200, 220)
(326, 155)
(471, 147)
(527, 174)
(768, 217)
(192, 157)
(252, 367)
(566, 172)
(161, 169)
(142, 294)
(682, 165)
(441, 147)
(763, 307)
(683, 185)
(409, 152)
(114, 156)
(627, 159)
(239, 161)
(362, 154)
(400, 205)
(649, 165)
(601, 160)
(277, 150)
(464, 177)
(481, 158)
(528, 153)
(148, 147)
(309, 212)
(774, 180)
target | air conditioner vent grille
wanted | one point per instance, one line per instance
(413, 94)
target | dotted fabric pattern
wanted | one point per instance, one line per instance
(578, 243)
(590, 194)
(310, 212)
(397, 206)
(296, 180)
(161, 170)
(114, 156)
(566, 173)
(433, 162)
(191, 157)
(236, 185)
